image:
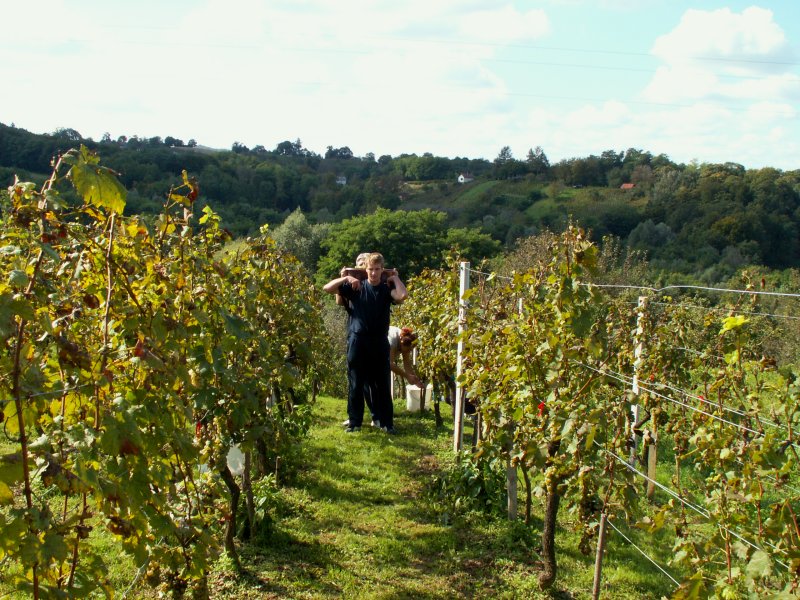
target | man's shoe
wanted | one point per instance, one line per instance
(346, 423)
(390, 430)
(376, 423)
(352, 429)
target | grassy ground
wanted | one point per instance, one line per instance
(358, 524)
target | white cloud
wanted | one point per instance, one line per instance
(726, 86)
(361, 74)
(450, 77)
(504, 25)
(739, 43)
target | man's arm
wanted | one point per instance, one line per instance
(408, 369)
(393, 363)
(332, 287)
(339, 298)
(399, 292)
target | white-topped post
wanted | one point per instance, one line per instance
(458, 407)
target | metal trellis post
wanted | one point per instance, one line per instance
(637, 361)
(458, 407)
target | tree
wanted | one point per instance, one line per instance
(537, 161)
(382, 191)
(472, 245)
(287, 148)
(69, 135)
(506, 167)
(427, 168)
(610, 159)
(409, 241)
(504, 156)
(642, 176)
(343, 153)
(173, 142)
(649, 236)
(301, 239)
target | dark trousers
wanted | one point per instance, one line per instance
(368, 376)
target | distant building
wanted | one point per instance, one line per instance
(465, 178)
(341, 180)
(627, 186)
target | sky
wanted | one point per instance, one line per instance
(704, 81)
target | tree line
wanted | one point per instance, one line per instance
(703, 220)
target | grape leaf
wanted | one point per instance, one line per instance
(96, 184)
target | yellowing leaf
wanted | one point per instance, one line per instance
(97, 185)
(10, 421)
(6, 497)
(732, 358)
(731, 323)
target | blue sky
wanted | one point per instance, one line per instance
(697, 81)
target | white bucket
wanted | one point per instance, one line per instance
(413, 397)
(235, 460)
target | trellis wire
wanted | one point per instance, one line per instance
(642, 552)
(699, 510)
(60, 391)
(627, 380)
(724, 407)
(788, 486)
(722, 309)
(693, 287)
(698, 353)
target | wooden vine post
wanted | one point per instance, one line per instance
(458, 407)
(511, 469)
(598, 561)
(651, 455)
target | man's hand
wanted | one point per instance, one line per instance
(354, 282)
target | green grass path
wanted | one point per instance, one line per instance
(356, 523)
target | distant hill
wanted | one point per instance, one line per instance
(688, 218)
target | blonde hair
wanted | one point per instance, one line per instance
(375, 258)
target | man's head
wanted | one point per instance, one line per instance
(361, 260)
(374, 268)
(408, 339)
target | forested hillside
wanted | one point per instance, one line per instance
(704, 220)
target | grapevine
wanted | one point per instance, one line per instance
(136, 354)
(549, 359)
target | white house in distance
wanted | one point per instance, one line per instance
(465, 178)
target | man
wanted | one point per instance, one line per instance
(361, 264)
(368, 351)
(402, 342)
